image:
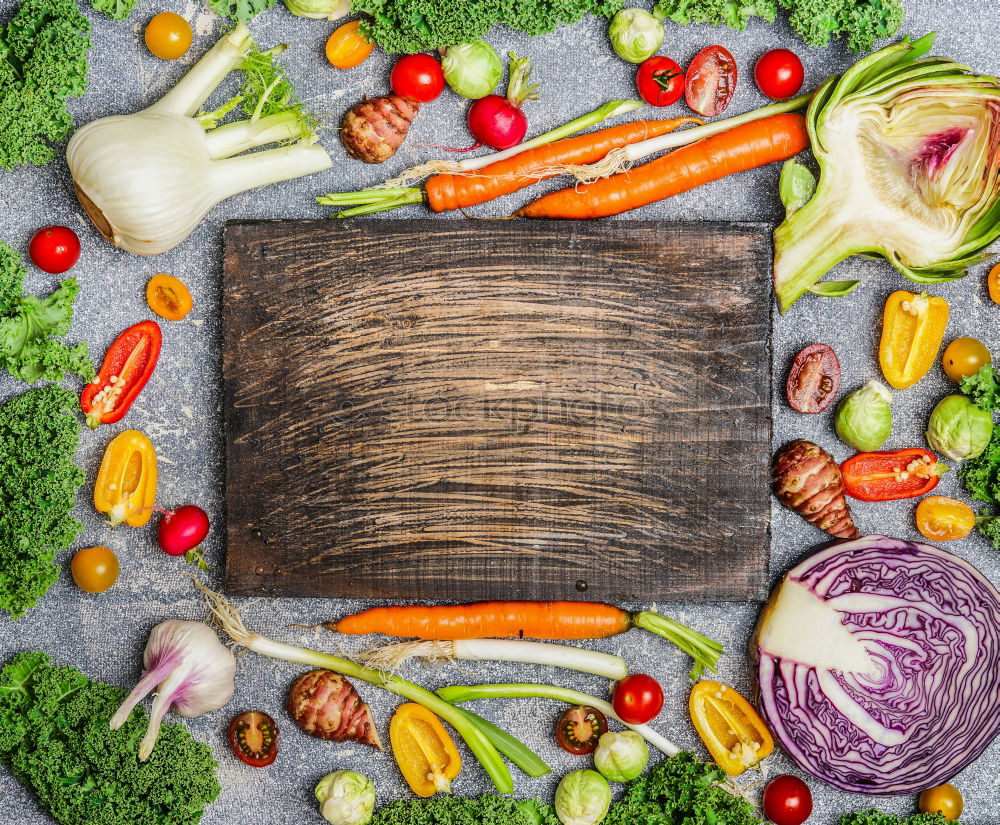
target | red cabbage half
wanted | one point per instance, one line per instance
(879, 665)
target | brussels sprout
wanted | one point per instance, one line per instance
(621, 756)
(346, 798)
(472, 69)
(582, 798)
(864, 419)
(958, 428)
(635, 35)
(320, 9)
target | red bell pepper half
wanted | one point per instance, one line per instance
(891, 475)
(129, 362)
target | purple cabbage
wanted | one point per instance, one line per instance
(879, 665)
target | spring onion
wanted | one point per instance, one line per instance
(467, 693)
(390, 657)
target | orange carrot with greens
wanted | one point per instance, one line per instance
(743, 147)
(517, 619)
(458, 191)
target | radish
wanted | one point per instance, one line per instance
(181, 531)
(498, 121)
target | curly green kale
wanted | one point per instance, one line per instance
(860, 22)
(419, 25)
(55, 738)
(39, 433)
(30, 326)
(43, 60)
(115, 9)
(874, 817)
(981, 475)
(982, 388)
(681, 791)
(488, 809)
(240, 11)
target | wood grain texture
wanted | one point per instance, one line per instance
(465, 410)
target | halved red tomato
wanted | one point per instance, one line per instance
(253, 736)
(710, 81)
(579, 728)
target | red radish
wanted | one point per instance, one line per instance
(182, 529)
(498, 121)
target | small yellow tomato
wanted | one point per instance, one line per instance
(168, 35)
(94, 569)
(993, 284)
(963, 357)
(944, 799)
(940, 518)
(348, 47)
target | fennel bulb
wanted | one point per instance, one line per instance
(146, 180)
(909, 152)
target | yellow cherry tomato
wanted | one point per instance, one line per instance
(168, 297)
(993, 284)
(94, 569)
(731, 729)
(348, 47)
(944, 799)
(168, 35)
(963, 357)
(940, 518)
(424, 751)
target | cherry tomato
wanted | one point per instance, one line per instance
(944, 799)
(787, 801)
(579, 728)
(814, 379)
(659, 81)
(942, 519)
(168, 297)
(418, 76)
(348, 47)
(168, 35)
(711, 81)
(54, 249)
(638, 699)
(182, 529)
(993, 284)
(94, 569)
(963, 357)
(779, 74)
(253, 736)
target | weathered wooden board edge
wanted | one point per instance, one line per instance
(235, 580)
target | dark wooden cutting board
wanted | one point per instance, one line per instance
(485, 409)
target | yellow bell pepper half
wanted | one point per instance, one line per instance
(731, 729)
(912, 331)
(126, 482)
(424, 751)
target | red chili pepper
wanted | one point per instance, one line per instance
(129, 362)
(891, 475)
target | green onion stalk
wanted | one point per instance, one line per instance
(485, 740)
(467, 693)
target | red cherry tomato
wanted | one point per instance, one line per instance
(638, 699)
(779, 74)
(418, 76)
(253, 736)
(711, 81)
(182, 529)
(787, 801)
(659, 81)
(54, 249)
(579, 729)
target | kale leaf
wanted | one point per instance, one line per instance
(871, 816)
(982, 388)
(55, 738)
(39, 432)
(43, 60)
(240, 11)
(488, 809)
(27, 350)
(115, 9)
(981, 475)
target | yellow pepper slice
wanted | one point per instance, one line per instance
(731, 729)
(424, 751)
(912, 331)
(126, 482)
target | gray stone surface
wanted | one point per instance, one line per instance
(180, 410)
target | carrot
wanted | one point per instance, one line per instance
(538, 620)
(449, 191)
(457, 191)
(743, 147)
